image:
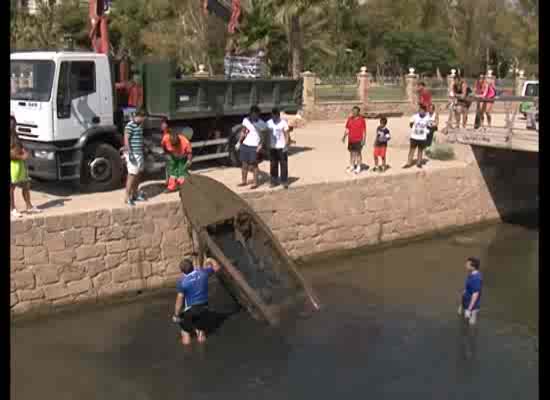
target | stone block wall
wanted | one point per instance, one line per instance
(88, 257)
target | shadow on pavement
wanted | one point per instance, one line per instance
(298, 149)
(53, 203)
(153, 189)
(61, 189)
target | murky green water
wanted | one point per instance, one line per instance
(388, 330)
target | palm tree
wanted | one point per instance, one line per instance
(290, 13)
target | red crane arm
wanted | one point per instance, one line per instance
(99, 29)
(229, 10)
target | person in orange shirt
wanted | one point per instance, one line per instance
(178, 149)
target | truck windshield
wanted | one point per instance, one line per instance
(31, 79)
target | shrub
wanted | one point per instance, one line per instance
(441, 152)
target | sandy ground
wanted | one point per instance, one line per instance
(318, 156)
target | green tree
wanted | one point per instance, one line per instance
(411, 49)
(47, 27)
(289, 13)
(36, 31)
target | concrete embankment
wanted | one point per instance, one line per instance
(93, 256)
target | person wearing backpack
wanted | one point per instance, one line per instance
(489, 94)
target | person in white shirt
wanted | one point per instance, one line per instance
(280, 140)
(251, 145)
(420, 127)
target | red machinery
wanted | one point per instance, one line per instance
(229, 10)
(99, 38)
(99, 31)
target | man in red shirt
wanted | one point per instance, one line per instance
(356, 131)
(424, 96)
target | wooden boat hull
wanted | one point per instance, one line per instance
(256, 268)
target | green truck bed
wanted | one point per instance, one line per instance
(198, 98)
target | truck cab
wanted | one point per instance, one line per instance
(63, 104)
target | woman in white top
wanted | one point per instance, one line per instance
(251, 145)
(420, 124)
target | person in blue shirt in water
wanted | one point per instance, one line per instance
(471, 296)
(192, 296)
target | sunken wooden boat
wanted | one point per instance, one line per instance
(256, 269)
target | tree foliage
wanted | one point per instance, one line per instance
(330, 37)
(411, 49)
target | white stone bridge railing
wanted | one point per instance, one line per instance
(507, 130)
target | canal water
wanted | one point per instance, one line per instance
(388, 330)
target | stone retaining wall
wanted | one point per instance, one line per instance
(87, 257)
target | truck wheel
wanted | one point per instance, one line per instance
(101, 168)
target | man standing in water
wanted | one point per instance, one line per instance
(192, 290)
(471, 296)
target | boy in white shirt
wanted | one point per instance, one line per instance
(280, 140)
(420, 124)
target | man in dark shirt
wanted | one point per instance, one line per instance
(192, 289)
(471, 296)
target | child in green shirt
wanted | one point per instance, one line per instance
(19, 174)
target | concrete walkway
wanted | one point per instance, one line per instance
(318, 156)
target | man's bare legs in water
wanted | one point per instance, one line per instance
(186, 337)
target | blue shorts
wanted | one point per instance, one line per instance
(248, 154)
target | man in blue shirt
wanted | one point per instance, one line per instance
(471, 296)
(192, 290)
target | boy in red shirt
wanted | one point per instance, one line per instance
(356, 131)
